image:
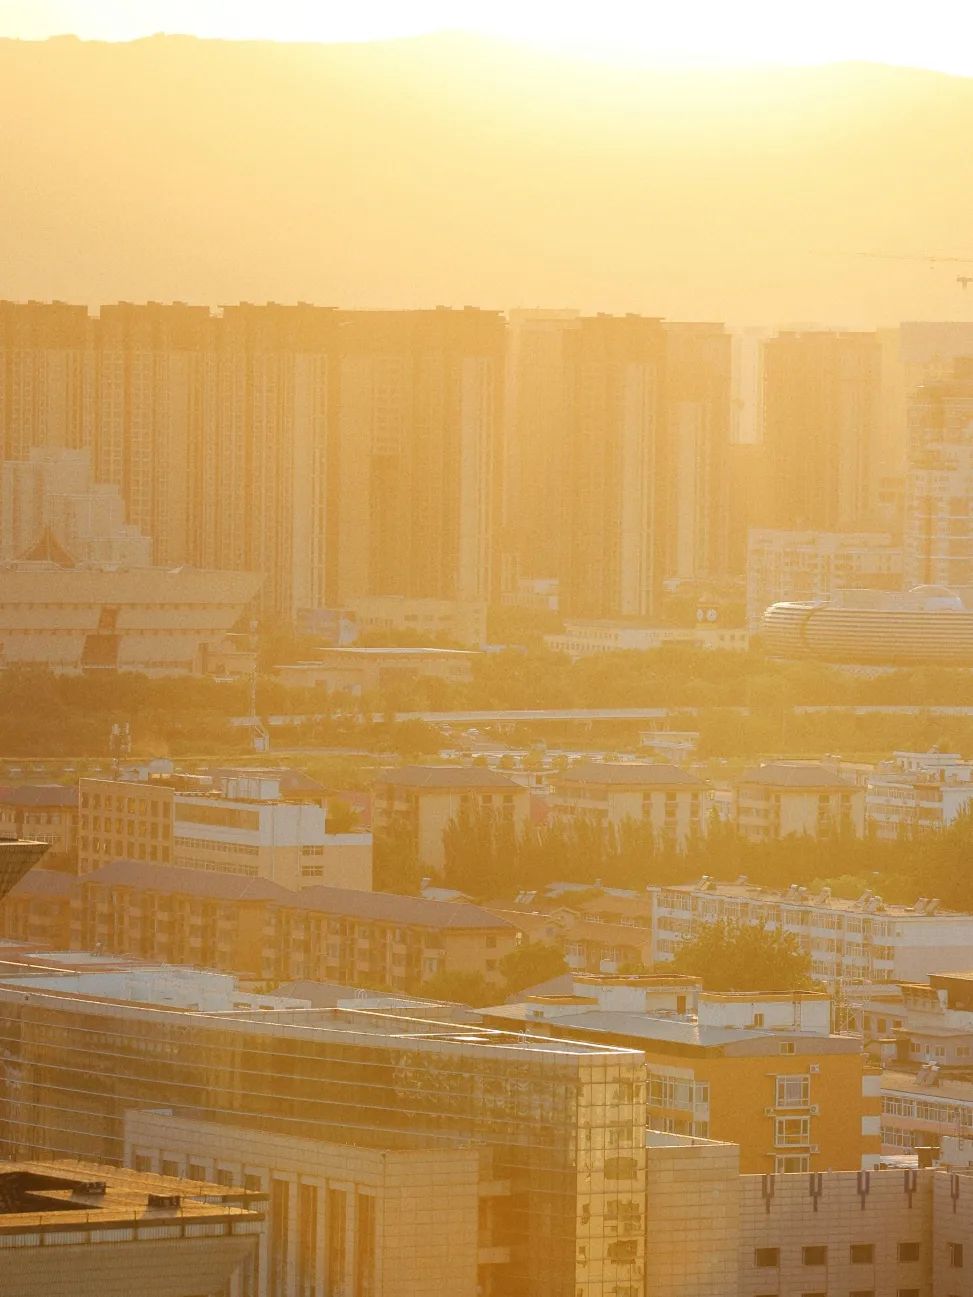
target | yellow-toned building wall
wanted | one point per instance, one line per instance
(743, 1108)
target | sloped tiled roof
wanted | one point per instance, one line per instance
(45, 882)
(194, 882)
(780, 773)
(39, 795)
(627, 774)
(410, 911)
(447, 777)
(387, 907)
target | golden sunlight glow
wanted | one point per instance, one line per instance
(698, 32)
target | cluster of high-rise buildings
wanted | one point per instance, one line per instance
(461, 455)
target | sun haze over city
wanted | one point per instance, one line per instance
(486, 649)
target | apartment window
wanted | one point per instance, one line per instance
(786, 1047)
(195, 1172)
(955, 1253)
(142, 1162)
(623, 1251)
(908, 1252)
(791, 1131)
(791, 1163)
(816, 1255)
(766, 1258)
(793, 1091)
(169, 1168)
(862, 1253)
(758, 1019)
(252, 1184)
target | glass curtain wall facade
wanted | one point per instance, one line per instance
(563, 1121)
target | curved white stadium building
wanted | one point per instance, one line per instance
(927, 626)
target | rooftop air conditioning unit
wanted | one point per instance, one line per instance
(768, 1112)
(814, 1110)
(814, 1067)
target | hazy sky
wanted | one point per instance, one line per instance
(936, 34)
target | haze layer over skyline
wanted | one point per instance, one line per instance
(701, 33)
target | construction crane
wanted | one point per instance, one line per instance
(932, 260)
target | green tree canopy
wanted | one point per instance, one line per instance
(531, 964)
(460, 988)
(743, 957)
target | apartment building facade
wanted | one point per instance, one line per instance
(850, 942)
(938, 538)
(667, 800)
(43, 813)
(423, 801)
(762, 1071)
(257, 928)
(782, 799)
(233, 823)
(788, 566)
(821, 409)
(914, 792)
(335, 453)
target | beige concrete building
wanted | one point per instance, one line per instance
(88, 1230)
(258, 929)
(850, 942)
(426, 799)
(235, 823)
(668, 800)
(369, 671)
(396, 1222)
(43, 813)
(463, 621)
(783, 799)
(152, 620)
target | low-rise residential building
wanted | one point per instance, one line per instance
(43, 813)
(850, 942)
(583, 639)
(763, 1071)
(369, 671)
(915, 791)
(782, 799)
(923, 1106)
(231, 822)
(258, 929)
(598, 930)
(464, 621)
(665, 798)
(424, 800)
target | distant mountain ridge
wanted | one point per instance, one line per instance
(453, 169)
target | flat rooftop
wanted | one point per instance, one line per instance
(682, 1032)
(86, 1196)
(379, 1029)
(811, 901)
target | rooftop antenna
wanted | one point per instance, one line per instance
(119, 745)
